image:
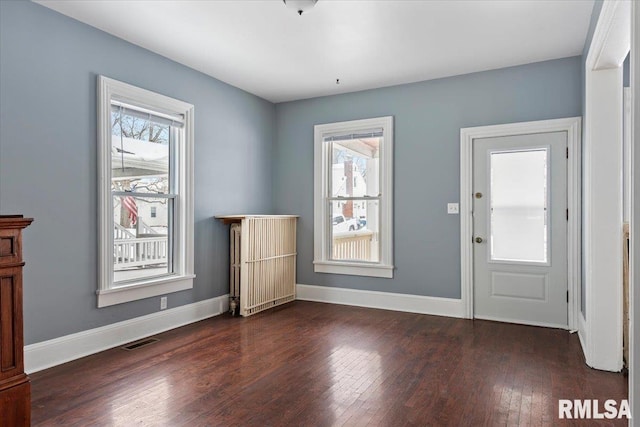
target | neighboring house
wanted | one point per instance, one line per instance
(357, 186)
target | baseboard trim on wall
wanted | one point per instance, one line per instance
(383, 300)
(520, 322)
(64, 349)
(582, 335)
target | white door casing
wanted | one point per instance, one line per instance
(468, 136)
(520, 229)
(601, 331)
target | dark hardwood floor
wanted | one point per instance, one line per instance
(312, 364)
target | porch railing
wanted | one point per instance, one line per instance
(353, 245)
(142, 228)
(119, 232)
(139, 252)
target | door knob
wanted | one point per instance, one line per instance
(478, 239)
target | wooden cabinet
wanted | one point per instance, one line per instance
(15, 390)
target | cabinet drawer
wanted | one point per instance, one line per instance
(10, 251)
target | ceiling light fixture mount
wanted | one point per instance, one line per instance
(300, 6)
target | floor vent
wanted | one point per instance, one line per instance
(141, 343)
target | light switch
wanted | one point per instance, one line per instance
(453, 208)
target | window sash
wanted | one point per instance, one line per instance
(330, 232)
(175, 136)
(328, 142)
(171, 230)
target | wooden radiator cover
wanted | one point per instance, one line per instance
(265, 261)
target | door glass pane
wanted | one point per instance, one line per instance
(355, 166)
(519, 206)
(355, 237)
(141, 244)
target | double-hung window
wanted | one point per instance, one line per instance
(353, 197)
(145, 162)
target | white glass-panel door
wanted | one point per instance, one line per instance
(520, 228)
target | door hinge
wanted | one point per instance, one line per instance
(567, 214)
(567, 152)
(567, 297)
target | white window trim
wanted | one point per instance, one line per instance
(108, 89)
(322, 263)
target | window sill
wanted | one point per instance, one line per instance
(354, 269)
(143, 290)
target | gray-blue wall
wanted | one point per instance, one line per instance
(428, 117)
(48, 69)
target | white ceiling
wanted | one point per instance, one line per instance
(265, 48)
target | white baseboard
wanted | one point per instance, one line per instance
(582, 335)
(522, 322)
(64, 349)
(383, 300)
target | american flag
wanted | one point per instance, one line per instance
(129, 204)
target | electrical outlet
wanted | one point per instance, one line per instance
(163, 303)
(453, 208)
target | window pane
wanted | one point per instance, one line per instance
(140, 154)
(519, 206)
(141, 226)
(355, 237)
(355, 165)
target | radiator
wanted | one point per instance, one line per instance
(262, 259)
(235, 262)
